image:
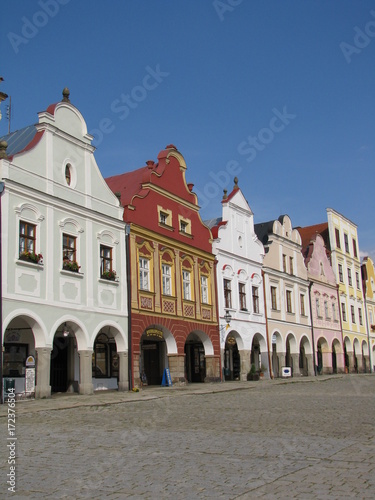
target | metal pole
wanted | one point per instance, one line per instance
(1, 301)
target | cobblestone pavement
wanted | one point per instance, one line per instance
(301, 438)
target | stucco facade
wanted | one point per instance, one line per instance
(239, 256)
(58, 216)
(324, 301)
(368, 285)
(287, 298)
(343, 244)
(174, 322)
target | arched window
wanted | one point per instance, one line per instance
(68, 174)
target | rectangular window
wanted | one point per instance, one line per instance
(166, 278)
(352, 314)
(326, 311)
(346, 241)
(186, 286)
(360, 316)
(355, 248)
(343, 309)
(317, 304)
(144, 274)
(341, 276)
(255, 299)
(204, 289)
(334, 311)
(27, 237)
(370, 315)
(273, 298)
(357, 281)
(302, 302)
(284, 263)
(163, 218)
(105, 259)
(289, 301)
(291, 265)
(242, 295)
(350, 277)
(69, 248)
(337, 233)
(227, 294)
(183, 227)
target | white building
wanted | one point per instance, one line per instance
(240, 288)
(63, 237)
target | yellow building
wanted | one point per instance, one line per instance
(368, 282)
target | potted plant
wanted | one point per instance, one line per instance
(71, 265)
(109, 275)
(27, 256)
(262, 371)
(253, 375)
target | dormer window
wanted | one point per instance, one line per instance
(183, 227)
(163, 217)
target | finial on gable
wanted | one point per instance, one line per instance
(3, 150)
(66, 94)
(225, 196)
(236, 183)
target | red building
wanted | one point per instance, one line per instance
(174, 320)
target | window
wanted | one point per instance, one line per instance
(291, 265)
(14, 360)
(346, 241)
(350, 277)
(69, 248)
(302, 302)
(144, 274)
(357, 280)
(227, 294)
(255, 299)
(163, 218)
(317, 305)
(352, 314)
(273, 298)
(321, 268)
(370, 316)
(242, 294)
(183, 227)
(284, 263)
(166, 277)
(326, 311)
(360, 316)
(104, 358)
(334, 312)
(186, 285)
(341, 276)
(343, 309)
(355, 248)
(105, 259)
(204, 289)
(68, 174)
(337, 233)
(27, 237)
(289, 301)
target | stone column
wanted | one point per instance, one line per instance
(85, 385)
(245, 363)
(310, 365)
(366, 364)
(136, 369)
(43, 367)
(360, 363)
(327, 363)
(212, 369)
(340, 362)
(296, 371)
(176, 363)
(123, 380)
(281, 358)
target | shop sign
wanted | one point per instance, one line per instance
(154, 332)
(30, 380)
(30, 361)
(167, 381)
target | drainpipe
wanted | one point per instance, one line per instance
(312, 326)
(267, 335)
(222, 379)
(128, 282)
(1, 302)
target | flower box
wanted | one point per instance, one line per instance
(36, 258)
(109, 275)
(71, 265)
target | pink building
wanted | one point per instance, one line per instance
(325, 313)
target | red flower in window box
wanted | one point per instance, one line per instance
(36, 258)
(71, 265)
(109, 275)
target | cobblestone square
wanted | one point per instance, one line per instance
(304, 438)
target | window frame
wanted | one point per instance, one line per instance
(273, 298)
(291, 266)
(242, 296)
(288, 296)
(343, 311)
(144, 273)
(346, 243)
(26, 238)
(352, 313)
(341, 273)
(302, 304)
(255, 297)
(186, 284)
(204, 289)
(355, 252)
(166, 279)
(104, 260)
(350, 281)
(227, 293)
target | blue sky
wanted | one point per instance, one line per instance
(279, 92)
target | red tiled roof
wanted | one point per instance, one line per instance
(309, 233)
(215, 229)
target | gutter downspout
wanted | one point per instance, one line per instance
(312, 326)
(128, 282)
(1, 301)
(267, 334)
